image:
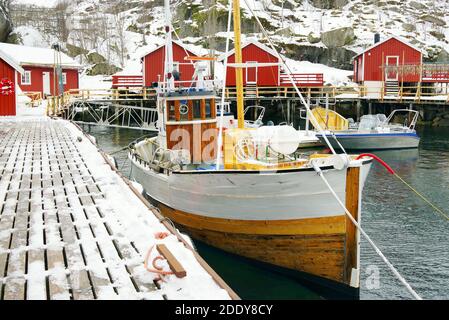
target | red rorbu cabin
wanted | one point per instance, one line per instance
(253, 53)
(382, 61)
(8, 84)
(268, 73)
(153, 64)
(38, 65)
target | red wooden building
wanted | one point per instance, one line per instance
(382, 62)
(263, 69)
(153, 64)
(253, 53)
(38, 65)
(8, 84)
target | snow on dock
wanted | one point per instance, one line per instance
(72, 228)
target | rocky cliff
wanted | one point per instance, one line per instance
(330, 32)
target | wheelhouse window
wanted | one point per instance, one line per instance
(26, 78)
(171, 111)
(208, 109)
(196, 109)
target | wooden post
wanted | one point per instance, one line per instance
(203, 109)
(238, 60)
(352, 232)
(359, 107)
(402, 75)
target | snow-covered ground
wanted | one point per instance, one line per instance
(31, 37)
(129, 218)
(331, 75)
(95, 82)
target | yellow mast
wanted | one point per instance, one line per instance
(238, 60)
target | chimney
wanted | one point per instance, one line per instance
(376, 38)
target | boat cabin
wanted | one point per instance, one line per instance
(191, 124)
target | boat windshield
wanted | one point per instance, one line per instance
(368, 122)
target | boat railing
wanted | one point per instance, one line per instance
(413, 121)
(161, 158)
(186, 87)
(259, 113)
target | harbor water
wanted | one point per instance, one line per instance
(408, 231)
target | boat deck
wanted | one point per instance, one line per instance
(72, 228)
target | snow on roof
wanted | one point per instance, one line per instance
(179, 43)
(386, 40)
(32, 56)
(11, 61)
(249, 42)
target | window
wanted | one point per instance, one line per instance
(208, 109)
(64, 78)
(196, 109)
(26, 78)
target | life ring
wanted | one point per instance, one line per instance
(6, 87)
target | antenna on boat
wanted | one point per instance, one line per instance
(238, 60)
(169, 67)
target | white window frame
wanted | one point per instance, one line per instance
(26, 74)
(397, 64)
(64, 78)
(252, 65)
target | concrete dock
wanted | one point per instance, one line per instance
(71, 227)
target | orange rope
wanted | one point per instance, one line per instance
(157, 269)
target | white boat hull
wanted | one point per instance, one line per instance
(298, 194)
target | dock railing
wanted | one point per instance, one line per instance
(419, 93)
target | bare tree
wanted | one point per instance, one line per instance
(120, 28)
(61, 20)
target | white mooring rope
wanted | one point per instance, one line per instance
(320, 172)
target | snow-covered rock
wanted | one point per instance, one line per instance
(5, 21)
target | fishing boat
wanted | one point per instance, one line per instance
(246, 190)
(373, 132)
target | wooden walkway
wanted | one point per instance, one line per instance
(62, 235)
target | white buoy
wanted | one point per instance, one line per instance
(281, 139)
